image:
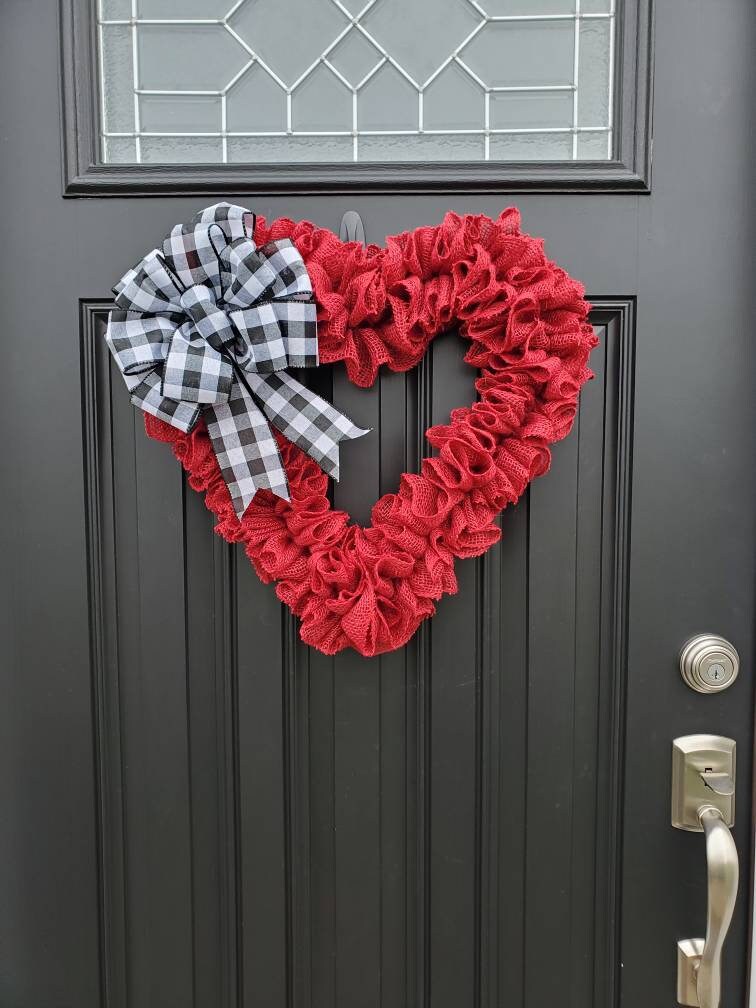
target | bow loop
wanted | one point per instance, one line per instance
(138, 342)
(292, 278)
(246, 276)
(250, 274)
(192, 250)
(210, 322)
(149, 288)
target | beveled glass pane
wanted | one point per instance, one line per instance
(256, 104)
(183, 8)
(118, 85)
(593, 79)
(593, 146)
(596, 6)
(421, 148)
(499, 8)
(420, 35)
(528, 109)
(119, 150)
(354, 57)
(522, 53)
(188, 57)
(180, 113)
(531, 147)
(115, 9)
(181, 150)
(454, 101)
(289, 37)
(259, 150)
(388, 102)
(321, 102)
(329, 80)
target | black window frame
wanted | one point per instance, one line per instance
(86, 175)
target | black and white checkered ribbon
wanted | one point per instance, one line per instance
(208, 324)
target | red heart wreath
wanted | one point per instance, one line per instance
(526, 320)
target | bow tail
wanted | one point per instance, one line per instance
(310, 422)
(245, 448)
(147, 395)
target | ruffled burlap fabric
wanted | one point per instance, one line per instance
(526, 322)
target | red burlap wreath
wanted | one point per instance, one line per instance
(525, 318)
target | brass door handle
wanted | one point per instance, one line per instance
(703, 786)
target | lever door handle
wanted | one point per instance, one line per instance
(703, 801)
(700, 960)
(722, 871)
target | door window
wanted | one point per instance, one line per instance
(339, 81)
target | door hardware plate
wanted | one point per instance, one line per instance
(694, 757)
(689, 952)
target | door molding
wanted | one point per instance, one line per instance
(211, 738)
(221, 667)
(85, 175)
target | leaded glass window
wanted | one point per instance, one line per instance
(282, 81)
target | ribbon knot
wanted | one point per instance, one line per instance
(209, 323)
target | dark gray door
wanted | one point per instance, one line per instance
(198, 810)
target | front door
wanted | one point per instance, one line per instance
(197, 808)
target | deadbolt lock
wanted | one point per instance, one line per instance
(703, 776)
(709, 663)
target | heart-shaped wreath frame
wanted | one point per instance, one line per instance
(526, 320)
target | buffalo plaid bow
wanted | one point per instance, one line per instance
(209, 323)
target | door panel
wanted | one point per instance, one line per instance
(272, 813)
(199, 810)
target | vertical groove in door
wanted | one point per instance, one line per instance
(618, 318)
(297, 804)
(229, 823)
(213, 755)
(507, 715)
(484, 611)
(320, 980)
(263, 671)
(489, 777)
(398, 729)
(418, 820)
(314, 913)
(100, 514)
(454, 744)
(419, 410)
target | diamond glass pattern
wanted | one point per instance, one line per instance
(291, 81)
